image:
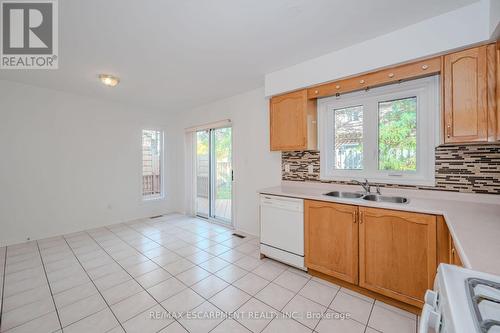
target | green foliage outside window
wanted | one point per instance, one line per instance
(398, 135)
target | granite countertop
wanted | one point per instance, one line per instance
(473, 219)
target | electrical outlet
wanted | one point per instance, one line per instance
(310, 169)
(287, 167)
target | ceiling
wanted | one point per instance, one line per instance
(175, 55)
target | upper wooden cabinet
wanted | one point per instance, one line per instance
(390, 75)
(331, 239)
(293, 122)
(397, 253)
(497, 67)
(469, 95)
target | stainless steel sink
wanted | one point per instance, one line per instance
(383, 198)
(347, 195)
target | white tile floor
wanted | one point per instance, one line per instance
(136, 276)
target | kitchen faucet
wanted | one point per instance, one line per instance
(366, 185)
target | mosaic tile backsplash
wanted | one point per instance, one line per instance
(460, 168)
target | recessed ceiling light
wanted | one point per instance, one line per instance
(109, 80)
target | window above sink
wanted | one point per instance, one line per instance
(386, 134)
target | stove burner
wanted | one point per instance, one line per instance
(484, 295)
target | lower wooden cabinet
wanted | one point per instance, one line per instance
(447, 252)
(389, 252)
(331, 239)
(454, 257)
(397, 253)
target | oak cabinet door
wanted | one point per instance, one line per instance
(497, 81)
(331, 239)
(292, 122)
(454, 257)
(443, 241)
(397, 253)
(465, 96)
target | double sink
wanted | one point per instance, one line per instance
(368, 197)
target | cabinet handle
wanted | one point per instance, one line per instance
(354, 217)
(448, 131)
(360, 217)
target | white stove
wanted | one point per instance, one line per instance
(463, 300)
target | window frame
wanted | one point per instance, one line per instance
(162, 195)
(427, 92)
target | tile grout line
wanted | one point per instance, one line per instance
(160, 267)
(281, 311)
(93, 283)
(151, 224)
(139, 228)
(370, 315)
(194, 265)
(189, 287)
(3, 285)
(132, 279)
(137, 231)
(351, 318)
(329, 308)
(231, 285)
(251, 296)
(48, 284)
(182, 257)
(297, 293)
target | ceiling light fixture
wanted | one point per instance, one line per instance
(109, 80)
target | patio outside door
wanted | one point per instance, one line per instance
(214, 174)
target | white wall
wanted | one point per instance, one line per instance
(255, 167)
(70, 163)
(464, 26)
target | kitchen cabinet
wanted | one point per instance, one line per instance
(293, 122)
(467, 85)
(492, 92)
(397, 253)
(497, 67)
(446, 250)
(387, 254)
(331, 239)
(410, 71)
(443, 241)
(470, 98)
(454, 257)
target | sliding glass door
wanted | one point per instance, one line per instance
(222, 174)
(202, 173)
(214, 174)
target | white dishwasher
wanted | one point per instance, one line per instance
(282, 229)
